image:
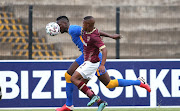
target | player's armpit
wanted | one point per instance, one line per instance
(102, 47)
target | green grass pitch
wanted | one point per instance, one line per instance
(106, 109)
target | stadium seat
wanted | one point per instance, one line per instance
(13, 27)
(21, 40)
(37, 53)
(34, 46)
(9, 21)
(16, 33)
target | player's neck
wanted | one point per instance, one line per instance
(90, 29)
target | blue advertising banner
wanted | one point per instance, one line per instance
(42, 83)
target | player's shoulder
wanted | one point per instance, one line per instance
(74, 29)
(75, 26)
(95, 33)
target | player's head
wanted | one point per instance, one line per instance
(88, 23)
(63, 22)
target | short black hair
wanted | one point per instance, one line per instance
(88, 17)
(62, 17)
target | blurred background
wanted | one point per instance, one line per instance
(151, 28)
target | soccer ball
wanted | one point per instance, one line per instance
(52, 28)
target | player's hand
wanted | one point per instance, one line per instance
(117, 36)
(101, 69)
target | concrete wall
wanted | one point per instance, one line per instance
(92, 2)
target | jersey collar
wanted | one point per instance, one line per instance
(91, 31)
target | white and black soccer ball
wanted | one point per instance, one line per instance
(52, 28)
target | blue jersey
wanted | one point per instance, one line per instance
(75, 32)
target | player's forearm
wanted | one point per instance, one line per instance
(105, 34)
(104, 56)
(114, 36)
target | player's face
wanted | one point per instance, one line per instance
(85, 25)
(62, 26)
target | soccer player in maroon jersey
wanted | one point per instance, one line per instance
(92, 46)
(75, 32)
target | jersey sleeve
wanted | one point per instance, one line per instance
(99, 43)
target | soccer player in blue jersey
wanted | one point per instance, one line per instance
(75, 32)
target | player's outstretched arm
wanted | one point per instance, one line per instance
(114, 36)
(104, 56)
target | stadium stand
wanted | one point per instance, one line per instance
(151, 28)
(15, 34)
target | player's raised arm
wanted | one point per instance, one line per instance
(114, 36)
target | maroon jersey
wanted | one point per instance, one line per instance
(92, 45)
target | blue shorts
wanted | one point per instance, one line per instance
(80, 60)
